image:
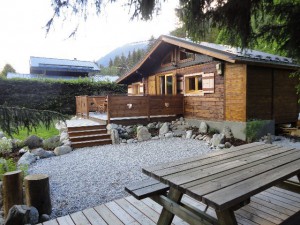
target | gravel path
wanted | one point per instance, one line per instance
(91, 176)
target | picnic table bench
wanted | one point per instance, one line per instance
(224, 180)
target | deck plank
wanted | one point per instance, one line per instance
(120, 213)
(51, 222)
(108, 215)
(79, 218)
(65, 220)
(93, 217)
(134, 212)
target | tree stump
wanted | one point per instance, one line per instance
(12, 190)
(38, 192)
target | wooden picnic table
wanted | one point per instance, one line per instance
(224, 180)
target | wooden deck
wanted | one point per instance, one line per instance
(270, 207)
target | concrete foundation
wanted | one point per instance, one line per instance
(238, 129)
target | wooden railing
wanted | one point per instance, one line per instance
(131, 106)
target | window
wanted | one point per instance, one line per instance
(136, 89)
(198, 83)
(186, 56)
(166, 84)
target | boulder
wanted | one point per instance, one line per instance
(44, 218)
(61, 150)
(42, 153)
(52, 143)
(114, 134)
(130, 141)
(169, 135)
(151, 126)
(129, 129)
(221, 146)
(64, 136)
(143, 134)
(155, 138)
(33, 141)
(178, 133)
(217, 139)
(164, 129)
(27, 159)
(203, 128)
(189, 134)
(227, 132)
(111, 126)
(228, 144)
(22, 214)
(67, 143)
(1, 134)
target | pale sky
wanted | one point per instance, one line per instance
(23, 34)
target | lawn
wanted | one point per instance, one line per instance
(41, 132)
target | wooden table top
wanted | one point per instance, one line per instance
(225, 178)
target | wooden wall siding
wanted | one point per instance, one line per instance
(151, 84)
(207, 107)
(285, 97)
(259, 93)
(235, 92)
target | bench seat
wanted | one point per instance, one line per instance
(147, 188)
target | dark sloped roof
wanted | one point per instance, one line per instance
(222, 52)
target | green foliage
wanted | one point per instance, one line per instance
(8, 165)
(7, 69)
(40, 131)
(54, 95)
(5, 146)
(12, 118)
(253, 128)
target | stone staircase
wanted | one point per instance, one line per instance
(88, 136)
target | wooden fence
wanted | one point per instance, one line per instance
(131, 106)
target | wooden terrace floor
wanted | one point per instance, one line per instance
(270, 207)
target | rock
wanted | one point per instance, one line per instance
(189, 134)
(221, 146)
(164, 129)
(52, 143)
(155, 138)
(168, 135)
(178, 133)
(33, 141)
(44, 218)
(129, 129)
(227, 144)
(33, 215)
(22, 151)
(130, 141)
(61, 126)
(64, 136)
(42, 153)
(268, 139)
(151, 125)
(124, 141)
(181, 119)
(27, 159)
(143, 134)
(193, 136)
(203, 128)
(114, 136)
(1, 135)
(61, 150)
(217, 139)
(20, 215)
(227, 132)
(111, 126)
(67, 143)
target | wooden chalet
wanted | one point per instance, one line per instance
(221, 85)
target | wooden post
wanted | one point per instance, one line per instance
(37, 192)
(12, 190)
(148, 105)
(108, 109)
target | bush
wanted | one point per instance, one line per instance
(54, 95)
(5, 146)
(253, 128)
(8, 165)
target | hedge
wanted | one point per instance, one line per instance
(55, 95)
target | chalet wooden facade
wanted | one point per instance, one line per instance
(220, 84)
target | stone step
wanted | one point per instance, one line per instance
(82, 144)
(89, 137)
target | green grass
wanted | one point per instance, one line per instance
(41, 132)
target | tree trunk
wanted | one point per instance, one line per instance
(12, 190)
(38, 193)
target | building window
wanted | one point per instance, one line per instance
(136, 89)
(198, 84)
(186, 56)
(166, 84)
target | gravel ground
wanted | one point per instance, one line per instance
(91, 176)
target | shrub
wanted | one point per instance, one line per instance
(253, 129)
(8, 165)
(5, 146)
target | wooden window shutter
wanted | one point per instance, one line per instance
(141, 88)
(130, 90)
(208, 83)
